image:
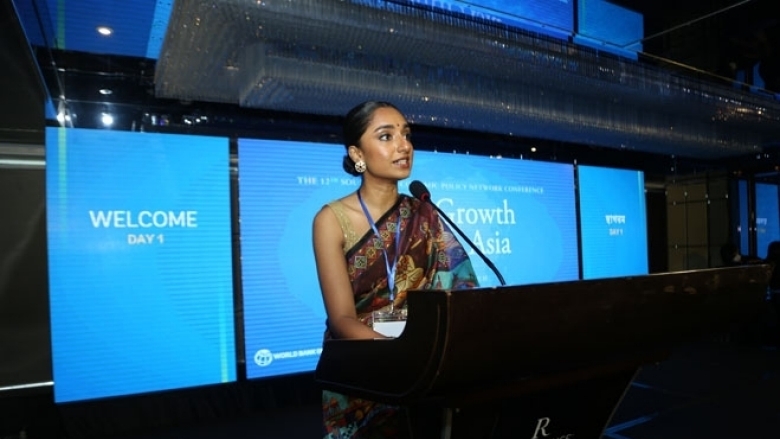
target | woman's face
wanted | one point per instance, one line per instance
(386, 145)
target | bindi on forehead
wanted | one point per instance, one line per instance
(386, 126)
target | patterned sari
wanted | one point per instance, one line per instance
(430, 257)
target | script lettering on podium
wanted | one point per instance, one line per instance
(541, 430)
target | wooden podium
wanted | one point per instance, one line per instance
(543, 361)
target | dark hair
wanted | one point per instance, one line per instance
(355, 123)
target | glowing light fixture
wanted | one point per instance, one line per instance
(107, 119)
(63, 117)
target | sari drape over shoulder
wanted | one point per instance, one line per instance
(428, 256)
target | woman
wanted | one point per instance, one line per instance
(371, 247)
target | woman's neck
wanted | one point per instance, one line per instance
(379, 196)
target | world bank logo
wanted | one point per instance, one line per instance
(263, 357)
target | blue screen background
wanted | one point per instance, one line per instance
(130, 317)
(767, 217)
(282, 185)
(550, 17)
(611, 247)
(554, 17)
(609, 27)
(599, 23)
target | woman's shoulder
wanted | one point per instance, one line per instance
(334, 209)
(336, 212)
(338, 204)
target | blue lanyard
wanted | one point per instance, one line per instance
(390, 268)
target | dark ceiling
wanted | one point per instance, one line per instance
(722, 37)
(735, 40)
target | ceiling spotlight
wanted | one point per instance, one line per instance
(63, 114)
(105, 30)
(106, 91)
(107, 119)
(63, 117)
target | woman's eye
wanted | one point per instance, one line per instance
(384, 137)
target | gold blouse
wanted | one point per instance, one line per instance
(350, 237)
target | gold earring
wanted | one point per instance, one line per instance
(360, 166)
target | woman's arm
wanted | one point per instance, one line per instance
(334, 281)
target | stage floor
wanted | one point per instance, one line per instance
(721, 388)
(724, 388)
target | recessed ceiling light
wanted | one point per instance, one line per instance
(107, 119)
(105, 30)
(106, 91)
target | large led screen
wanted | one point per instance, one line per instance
(609, 27)
(767, 217)
(613, 222)
(140, 262)
(551, 17)
(521, 214)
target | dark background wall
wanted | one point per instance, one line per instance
(25, 353)
(24, 325)
(21, 113)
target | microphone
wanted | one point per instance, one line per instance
(419, 191)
